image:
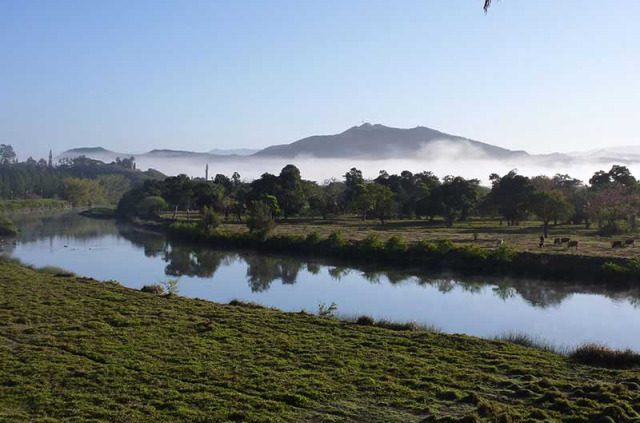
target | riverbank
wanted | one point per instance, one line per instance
(76, 348)
(440, 255)
(32, 205)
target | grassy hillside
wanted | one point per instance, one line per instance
(73, 349)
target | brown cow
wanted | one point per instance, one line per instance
(573, 244)
(630, 242)
(616, 244)
(556, 241)
(563, 240)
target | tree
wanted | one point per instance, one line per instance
(210, 219)
(178, 191)
(549, 206)
(114, 187)
(260, 220)
(512, 195)
(381, 200)
(150, 207)
(458, 197)
(7, 154)
(290, 194)
(83, 192)
(609, 205)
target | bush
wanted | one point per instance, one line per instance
(365, 321)
(171, 286)
(601, 355)
(614, 228)
(503, 253)
(399, 326)
(327, 310)
(6, 227)
(336, 240)
(371, 243)
(210, 219)
(313, 238)
(153, 289)
(395, 244)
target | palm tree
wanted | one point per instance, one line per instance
(487, 3)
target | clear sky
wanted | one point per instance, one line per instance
(539, 75)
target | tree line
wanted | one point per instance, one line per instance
(80, 180)
(610, 198)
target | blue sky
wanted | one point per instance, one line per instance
(539, 75)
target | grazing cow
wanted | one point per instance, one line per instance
(616, 244)
(563, 240)
(499, 242)
(573, 244)
(556, 241)
(630, 242)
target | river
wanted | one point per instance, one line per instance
(566, 314)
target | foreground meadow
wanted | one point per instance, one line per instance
(74, 349)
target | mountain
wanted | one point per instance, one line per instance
(234, 152)
(382, 142)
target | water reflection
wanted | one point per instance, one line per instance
(559, 311)
(263, 270)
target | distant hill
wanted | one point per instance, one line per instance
(234, 152)
(382, 142)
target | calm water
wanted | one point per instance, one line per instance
(566, 314)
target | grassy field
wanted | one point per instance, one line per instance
(77, 350)
(524, 237)
(18, 206)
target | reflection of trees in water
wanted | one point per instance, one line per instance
(262, 271)
(47, 226)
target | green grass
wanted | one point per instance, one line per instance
(77, 350)
(13, 206)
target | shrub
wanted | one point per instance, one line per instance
(503, 253)
(601, 355)
(210, 219)
(6, 227)
(327, 310)
(365, 321)
(400, 326)
(371, 243)
(336, 240)
(153, 289)
(248, 304)
(313, 238)
(260, 220)
(171, 286)
(395, 244)
(614, 228)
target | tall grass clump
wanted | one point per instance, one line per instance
(529, 341)
(600, 355)
(56, 271)
(156, 289)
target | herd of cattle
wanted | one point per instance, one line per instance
(576, 244)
